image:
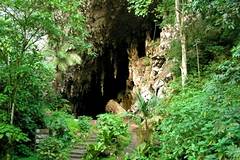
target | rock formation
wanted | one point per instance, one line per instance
(114, 107)
(112, 28)
(126, 60)
(151, 74)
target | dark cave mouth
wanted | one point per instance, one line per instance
(109, 78)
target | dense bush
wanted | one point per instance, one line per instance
(66, 128)
(65, 131)
(84, 123)
(200, 127)
(112, 137)
(52, 149)
(9, 136)
(202, 121)
(26, 75)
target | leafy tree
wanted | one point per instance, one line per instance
(140, 7)
(26, 73)
(206, 28)
(236, 51)
(180, 25)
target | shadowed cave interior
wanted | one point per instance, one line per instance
(108, 78)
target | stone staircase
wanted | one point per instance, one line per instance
(79, 150)
(41, 134)
(133, 129)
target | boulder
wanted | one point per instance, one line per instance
(114, 107)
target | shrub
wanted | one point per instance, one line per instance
(66, 128)
(57, 123)
(9, 135)
(200, 121)
(112, 137)
(206, 124)
(52, 149)
(140, 153)
(84, 124)
(236, 51)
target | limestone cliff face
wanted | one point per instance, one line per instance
(151, 73)
(112, 29)
(126, 60)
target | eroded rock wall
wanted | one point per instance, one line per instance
(112, 29)
(152, 73)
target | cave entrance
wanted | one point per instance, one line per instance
(115, 71)
(108, 80)
(98, 81)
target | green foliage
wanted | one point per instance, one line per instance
(23, 150)
(236, 51)
(12, 133)
(65, 127)
(9, 136)
(139, 153)
(228, 73)
(29, 30)
(218, 23)
(147, 108)
(52, 149)
(165, 11)
(140, 7)
(206, 124)
(201, 121)
(57, 123)
(5, 117)
(142, 105)
(175, 53)
(147, 113)
(33, 157)
(218, 13)
(112, 137)
(84, 124)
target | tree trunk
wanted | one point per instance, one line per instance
(184, 58)
(177, 12)
(198, 64)
(182, 38)
(12, 113)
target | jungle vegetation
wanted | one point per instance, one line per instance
(200, 117)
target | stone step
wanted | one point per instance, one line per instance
(79, 147)
(79, 151)
(41, 134)
(76, 158)
(91, 140)
(77, 154)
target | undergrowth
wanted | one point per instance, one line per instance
(201, 121)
